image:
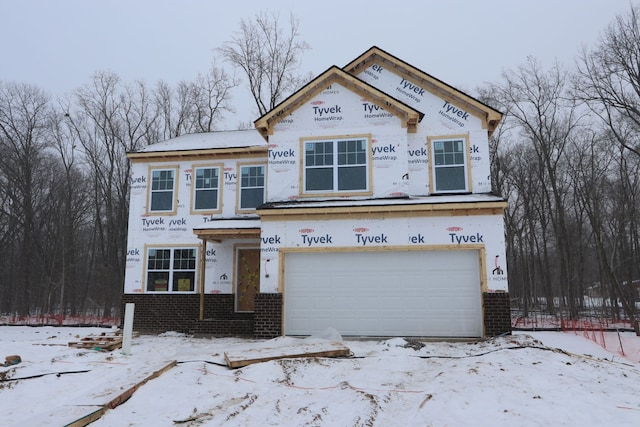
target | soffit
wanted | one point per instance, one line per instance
(218, 235)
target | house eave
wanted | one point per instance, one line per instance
(219, 235)
(408, 115)
(207, 153)
(410, 209)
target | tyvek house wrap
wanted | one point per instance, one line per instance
(441, 117)
(169, 230)
(338, 112)
(387, 234)
(399, 165)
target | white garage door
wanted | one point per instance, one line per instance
(388, 293)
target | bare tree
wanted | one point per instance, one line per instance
(196, 106)
(608, 78)
(544, 119)
(269, 56)
(24, 185)
(605, 182)
(173, 108)
(71, 215)
(211, 96)
(111, 119)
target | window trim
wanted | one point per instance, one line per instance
(239, 167)
(196, 271)
(174, 209)
(192, 202)
(467, 163)
(334, 138)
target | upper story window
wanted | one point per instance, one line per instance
(171, 269)
(206, 188)
(336, 165)
(449, 165)
(162, 194)
(251, 186)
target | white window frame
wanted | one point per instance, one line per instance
(171, 271)
(439, 161)
(363, 160)
(239, 206)
(152, 191)
(195, 189)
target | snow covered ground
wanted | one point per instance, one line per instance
(527, 379)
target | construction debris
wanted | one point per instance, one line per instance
(240, 358)
(103, 341)
(12, 360)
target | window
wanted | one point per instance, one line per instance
(206, 188)
(251, 186)
(171, 269)
(336, 165)
(162, 194)
(449, 165)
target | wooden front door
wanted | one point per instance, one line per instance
(247, 278)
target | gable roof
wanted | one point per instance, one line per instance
(409, 116)
(489, 116)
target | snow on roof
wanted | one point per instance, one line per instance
(456, 198)
(208, 140)
(229, 224)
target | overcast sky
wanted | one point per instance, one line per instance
(58, 44)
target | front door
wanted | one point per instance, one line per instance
(247, 278)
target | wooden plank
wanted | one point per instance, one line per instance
(125, 395)
(105, 344)
(88, 419)
(240, 358)
(103, 341)
(118, 400)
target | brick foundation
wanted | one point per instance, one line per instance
(497, 314)
(268, 316)
(156, 313)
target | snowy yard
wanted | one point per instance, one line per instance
(528, 379)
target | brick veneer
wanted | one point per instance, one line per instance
(268, 316)
(497, 313)
(156, 313)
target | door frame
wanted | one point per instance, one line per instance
(237, 248)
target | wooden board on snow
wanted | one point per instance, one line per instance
(104, 341)
(240, 358)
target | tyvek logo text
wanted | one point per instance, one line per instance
(373, 71)
(456, 115)
(322, 113)
(373, 111)
(466, 238)
(307, 240)
(410, 90)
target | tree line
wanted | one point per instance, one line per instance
(566, 157)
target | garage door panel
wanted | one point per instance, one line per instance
(409, 293)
